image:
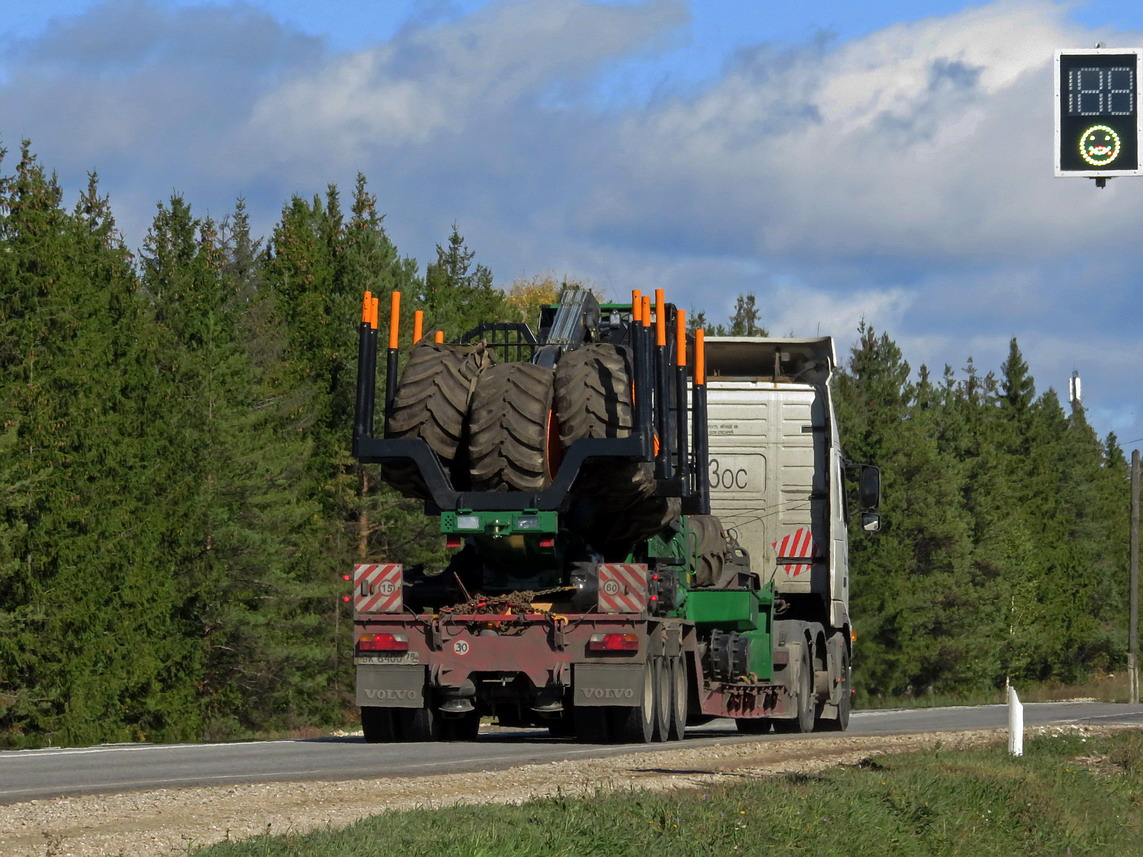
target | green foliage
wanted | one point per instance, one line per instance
(457, 296)
(744, 321)
(180, 503)
(1002, 549)
(1067, 795)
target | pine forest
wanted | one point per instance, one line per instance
(180, 503)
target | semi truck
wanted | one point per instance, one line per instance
(647, 528)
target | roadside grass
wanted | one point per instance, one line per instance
(1068, 795)
(1101, 688)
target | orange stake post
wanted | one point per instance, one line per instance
(660, 319)
(394, 318)
(418, 325)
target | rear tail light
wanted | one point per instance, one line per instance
(613, 643)
(383, 642)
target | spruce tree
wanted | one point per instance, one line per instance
(457, 295)
(108, 662)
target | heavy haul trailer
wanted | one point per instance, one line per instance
(592, 590)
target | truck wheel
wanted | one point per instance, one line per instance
(804, 722)
(592, 724)
(679, 691)
(662, 700)
(844, 703)
(431, 403)
(512, 432)
(418, 724)
(378, 726)
(594, 399)
(638, 723)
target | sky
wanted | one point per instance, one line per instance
(883, 162)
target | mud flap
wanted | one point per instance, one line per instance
(384, 686)
(608, 684)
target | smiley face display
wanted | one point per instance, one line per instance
(1099, 145)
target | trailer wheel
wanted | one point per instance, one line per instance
(804, 722)
(512, 431)
(431, 403)
(592, 724)
(418, 724)
(662, 701)
(844, 703)
(678, 697)
(594, 399)
(638, 723)
(378, 725)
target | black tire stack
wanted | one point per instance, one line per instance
(510, 429)
(432, 403)
(503, 427)
(595, 399)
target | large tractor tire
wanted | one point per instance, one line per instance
(431, 403)
(513, 444)
(594, 398)
(709, 546)
(641, 520)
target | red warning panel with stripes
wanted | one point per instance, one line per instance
(622, 587)
(377, 588)
(797, 545)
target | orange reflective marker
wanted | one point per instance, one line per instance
(660, 319)
(700, 357)
(680, 337)
(636, 306)
(646, 317)
(438, 336)
(418, 325)
(373, 310)
(366, 306)
(394, 318)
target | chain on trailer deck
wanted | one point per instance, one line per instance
(512, 603)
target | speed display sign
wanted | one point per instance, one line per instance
(1097, 112)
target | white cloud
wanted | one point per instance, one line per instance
(436, 84)
(903, 177)
(928, 140)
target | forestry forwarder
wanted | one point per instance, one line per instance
(591, 590)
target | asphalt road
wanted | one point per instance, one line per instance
(37, 774)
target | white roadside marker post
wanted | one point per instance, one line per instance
(1015, 723)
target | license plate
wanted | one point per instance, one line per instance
(403, 658)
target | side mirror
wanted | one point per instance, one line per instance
(869, 487)
(871, 522)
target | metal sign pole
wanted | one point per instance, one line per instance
(1133, 622)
